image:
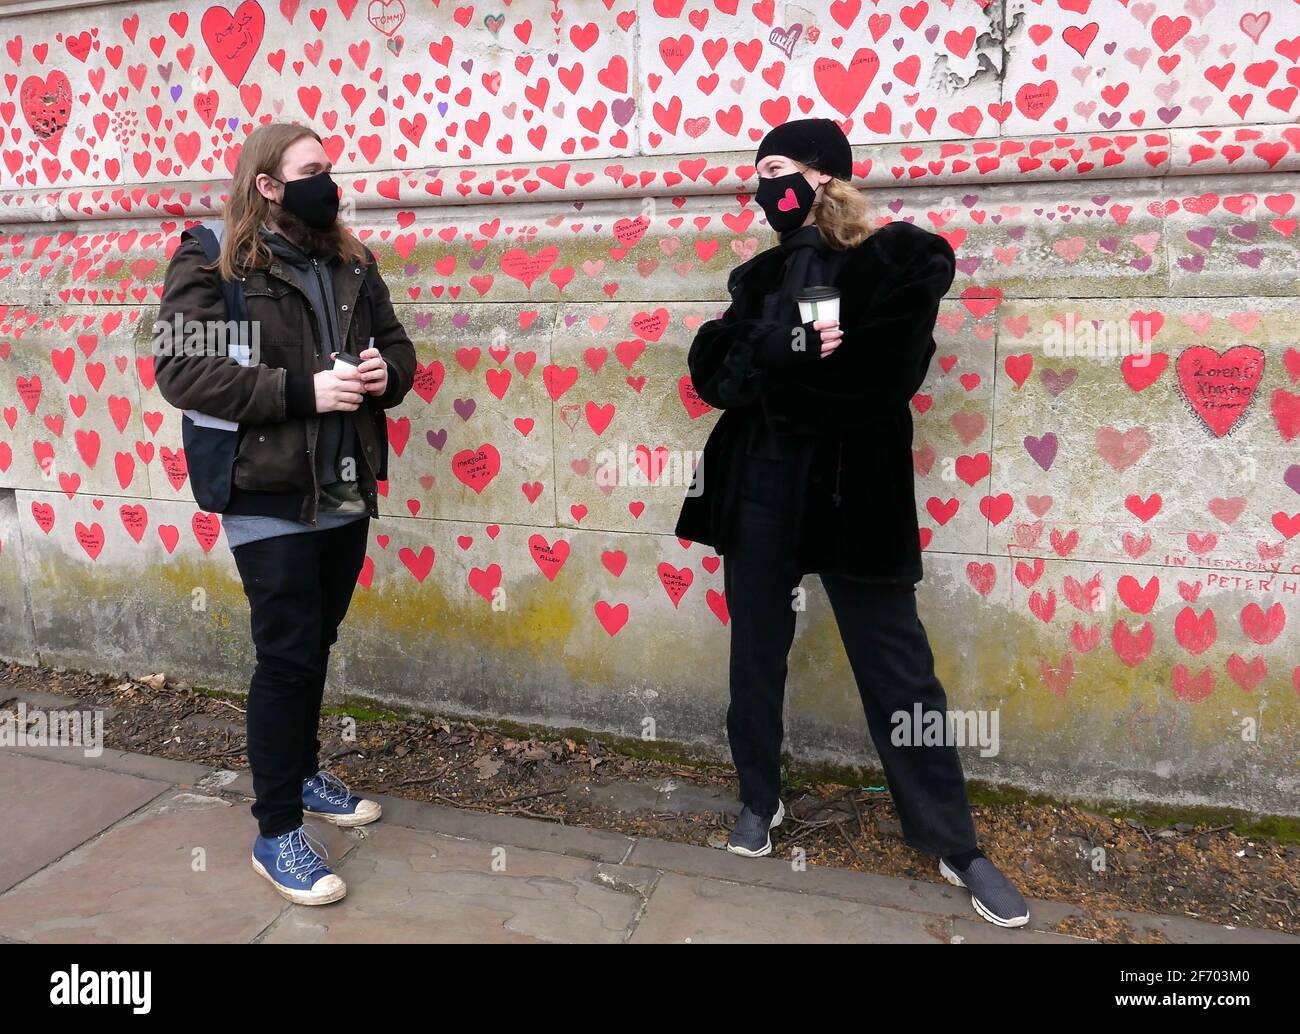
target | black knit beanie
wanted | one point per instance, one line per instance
(818, 142)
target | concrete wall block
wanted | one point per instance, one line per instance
(1230, 233)
(17, 642)
(1118, 66)
(567, 627)
(131, 585)
(70, 403)
(1121, 682)
(1183, 456)
(473, 438)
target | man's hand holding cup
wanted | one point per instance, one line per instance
(373, 370)
(340, 390)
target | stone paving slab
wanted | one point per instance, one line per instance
(146, 766)
(410, 886)
(977, 931)
(1185, 930)
(665, 795)
(698, 910)
(426, 873)
(178, 872)
(509, 830)
(50, 808)
(779, 874)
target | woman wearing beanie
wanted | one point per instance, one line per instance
(809, 470)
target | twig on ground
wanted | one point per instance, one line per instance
(228, 704)
(534, 815)
(1277, 901)
(852, 846)
(530, 796)
(415, 780)
(811, 827)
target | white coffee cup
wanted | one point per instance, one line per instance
(818, 302)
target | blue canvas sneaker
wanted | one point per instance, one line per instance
(326, 797)
(294, 864)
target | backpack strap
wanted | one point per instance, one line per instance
(210, 442)
(209, 234)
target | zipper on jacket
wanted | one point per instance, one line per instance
(314, 500)
(329, 316)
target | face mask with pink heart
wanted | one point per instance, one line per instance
(786, 200)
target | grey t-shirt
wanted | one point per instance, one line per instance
(245, 528)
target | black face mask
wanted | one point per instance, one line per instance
(786, 200)
(313, 199)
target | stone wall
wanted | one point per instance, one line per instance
(556, 191)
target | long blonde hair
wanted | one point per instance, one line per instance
(245, 209)
(843, 214)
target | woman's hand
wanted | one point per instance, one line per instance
(830, 333)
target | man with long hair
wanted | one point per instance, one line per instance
(299, 486)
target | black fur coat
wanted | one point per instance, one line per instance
(858, 512)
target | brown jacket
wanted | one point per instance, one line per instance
(273, 400)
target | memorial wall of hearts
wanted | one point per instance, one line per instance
(1107, 443)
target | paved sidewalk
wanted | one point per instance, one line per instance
(127, 847)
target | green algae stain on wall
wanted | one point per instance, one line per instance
(177, 615)
(534, 625)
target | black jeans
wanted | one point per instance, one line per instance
(887, 649)
(299, 588)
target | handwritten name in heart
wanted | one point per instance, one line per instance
(1219, 387)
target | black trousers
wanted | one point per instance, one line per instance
(887, 649)
(299, 588)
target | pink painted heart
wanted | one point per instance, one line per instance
(1122, 449)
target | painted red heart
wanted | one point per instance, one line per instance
(47, 106)
(234, 39)
(548, 557)
(1219, 387)
(477, 467)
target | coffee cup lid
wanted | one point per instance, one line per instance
(817, 293)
